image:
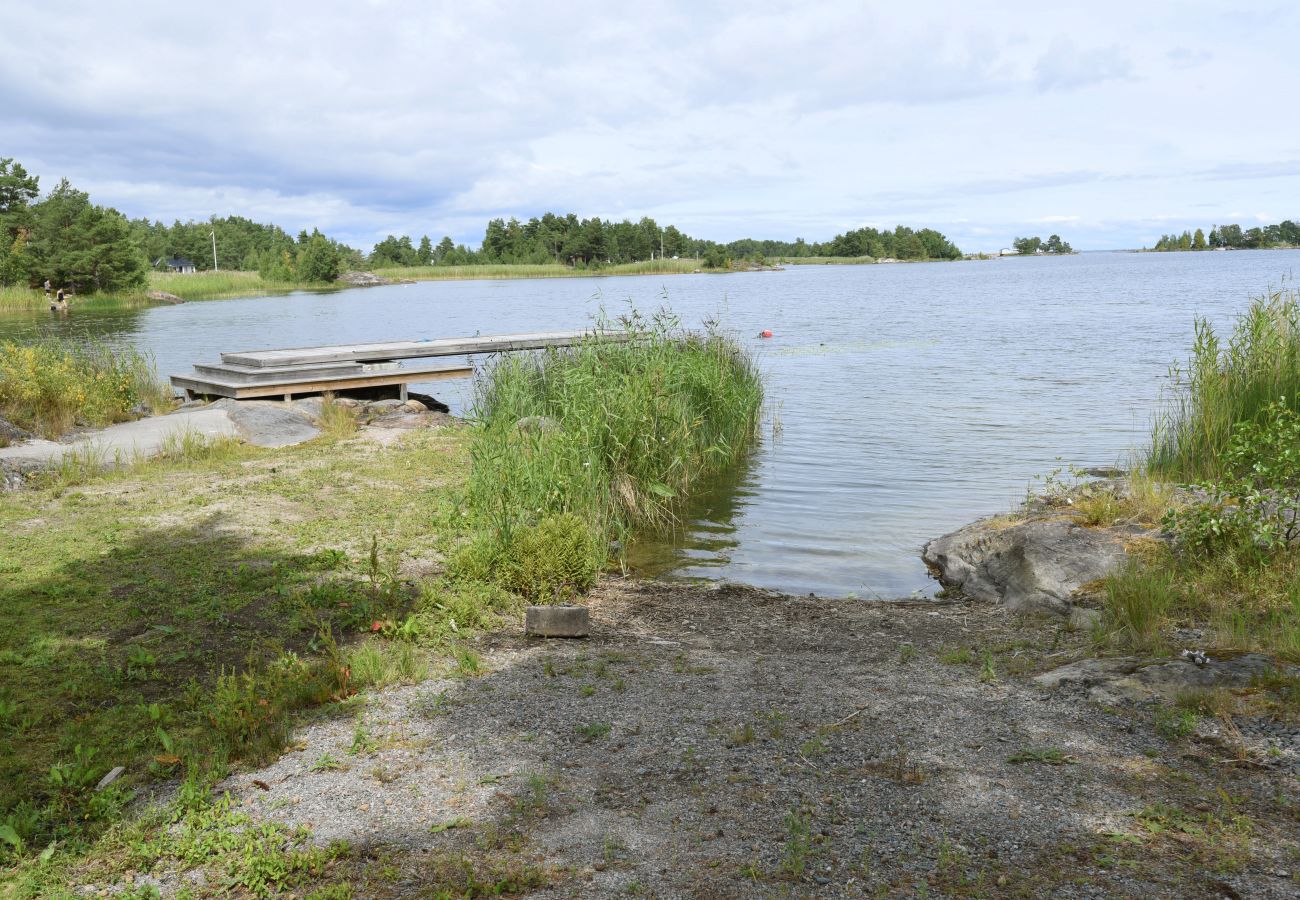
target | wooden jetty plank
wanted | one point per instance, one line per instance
(193, 385)
(302, 356)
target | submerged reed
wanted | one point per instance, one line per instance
(579, 445)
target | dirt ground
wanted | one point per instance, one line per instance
(720, 741)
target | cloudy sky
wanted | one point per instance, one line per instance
(1109, 125)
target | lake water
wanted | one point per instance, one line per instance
(905, 400)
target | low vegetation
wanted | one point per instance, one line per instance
(177, 617)
(48, 388)
(1233, 432)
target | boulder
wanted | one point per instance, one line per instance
(1037, 563)
(265, 423)
(431, 403)
(12, 434)
(163, 297)
(362, 279)
(1134, 679)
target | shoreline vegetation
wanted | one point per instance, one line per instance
(183, 651)
(186, 617)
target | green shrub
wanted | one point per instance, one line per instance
(553, 560)
(48, 388)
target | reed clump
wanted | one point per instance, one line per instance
(48, 388)
(1226, 382)
(581, 445)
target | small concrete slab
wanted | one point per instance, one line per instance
(557, 621)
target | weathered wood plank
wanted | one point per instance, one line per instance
(285, 387)
(303, 356)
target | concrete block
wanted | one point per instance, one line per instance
(557, 621)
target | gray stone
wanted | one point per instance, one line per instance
(310, 407)
(12, 434)
(381, 407)
(163, 297)
(416, 406)
(268, 424)
(433, 404)
(1132, 678)
(1031, 564)
(362, 279)
(557, 621)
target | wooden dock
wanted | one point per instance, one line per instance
(250, 374)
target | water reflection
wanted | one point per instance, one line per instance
(707, 538)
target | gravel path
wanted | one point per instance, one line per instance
(715, 741)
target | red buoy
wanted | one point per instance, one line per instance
(765, 333)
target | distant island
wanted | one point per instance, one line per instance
(1036, 246)
(1232, 237)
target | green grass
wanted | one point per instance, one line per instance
(222, 285)
(47, 388)
(539, 270)
(146, 624)
(1227, 382)
(619, 432)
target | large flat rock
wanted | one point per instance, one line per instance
(266, 423)
(1026, 564)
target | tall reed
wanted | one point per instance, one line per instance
(1223, 384)
(613, 433)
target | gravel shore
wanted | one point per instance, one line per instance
(720, 741)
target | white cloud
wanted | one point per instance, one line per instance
(763, 120)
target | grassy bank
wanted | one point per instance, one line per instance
(195, 286)
(178, 617)
(49, 388)
(1232, 429)
(543, 270)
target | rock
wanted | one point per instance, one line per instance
(1103, 472)
(415, 406)
(538, 425)
(557, 621)
(362, 279)
(431, 403)
(1084, 619)
(268, 424)
(12, 434)
(381, 407)
(1132, 678)
(310, 407)
(163, 297)
(347, 402)
(1025, 564)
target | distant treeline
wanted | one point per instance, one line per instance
(592, 242)
(1284, 234)
(1032, 246)
(75, 244)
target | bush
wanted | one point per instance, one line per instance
(47, 388)
(1255, 502)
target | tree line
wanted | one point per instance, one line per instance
(573, 241)
(1031, 246)
(76, 244)
(1283, 234)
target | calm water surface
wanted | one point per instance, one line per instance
(905, 399)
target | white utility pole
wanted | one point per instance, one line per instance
(214, 251)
